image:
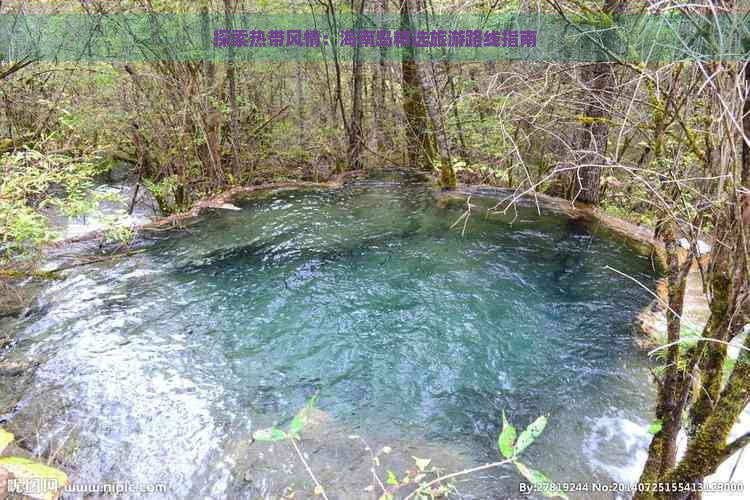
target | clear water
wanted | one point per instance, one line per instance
(154, 367)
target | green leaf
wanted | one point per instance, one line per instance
(5, 439)
(300, 419)
(529, 434)
(655, 426)
(506, 438)
(298, 422)
(270, 434)
(25, 469)
(539, 481)
(391, 479)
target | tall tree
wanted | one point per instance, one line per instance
(381, 74)
(356, 139)
(441, 153)
(234, 131)
(699, 374)
(598, 79)
(419, 145)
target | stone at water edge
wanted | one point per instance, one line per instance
(15, 300)
(229, 206)
(14, 368)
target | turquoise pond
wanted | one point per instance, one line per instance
(153, 368)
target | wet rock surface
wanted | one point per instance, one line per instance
(15, 299)
(14, 368)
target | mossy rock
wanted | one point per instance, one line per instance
(6, 144)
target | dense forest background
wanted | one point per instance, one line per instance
(665, 144)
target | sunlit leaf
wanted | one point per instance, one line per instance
(655, 426)
(302, 418)
(5, 439)
(540, 481)
(28, 470)
(506, 438)
(391, 479)
(298, 423)
(529, 434)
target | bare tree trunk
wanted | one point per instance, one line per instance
(454, 108)
(379, 90)
(300, 107)
(447, 174)
(594, 132)
(592, 138)
(233, 108)
(210, 116)
(356, 141)
(419, 144)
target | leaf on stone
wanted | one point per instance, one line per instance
(269, 434)
(540, 481)
(530, 434)
(5, 439)
(298, 422)
(301, 418)
(28, 470)
(506, 439)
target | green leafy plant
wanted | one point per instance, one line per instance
(299, 421)
(511, 447)
(655, 426)
(425, 479)
(117, 228)
(164, 192)
(32, 181)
